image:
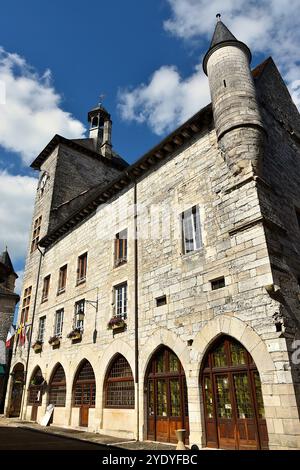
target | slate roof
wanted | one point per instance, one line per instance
(223, 37)
(6, 261)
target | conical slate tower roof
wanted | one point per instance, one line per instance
(6, 261)
(221, 34)
(223, 37)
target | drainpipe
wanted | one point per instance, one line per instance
(136, 312)
(30, 336)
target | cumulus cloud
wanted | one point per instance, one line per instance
(30, 109)
(16, 204)
(269, 27)
(166, 101)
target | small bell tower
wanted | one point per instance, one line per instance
(100, 130)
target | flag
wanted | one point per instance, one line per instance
(10, 335)
(22, 335)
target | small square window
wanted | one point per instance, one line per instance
(160, 301)
(217, 283)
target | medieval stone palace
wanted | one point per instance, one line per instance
(165, 294)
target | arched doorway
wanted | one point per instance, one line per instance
(57, 387)
(35, 392)
(84, 392)
(167, 405)
(232, 397)
(16, 391)
(119, 384)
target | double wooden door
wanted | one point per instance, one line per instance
(233, 403)
(166, 398)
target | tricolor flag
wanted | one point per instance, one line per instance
(10, 335)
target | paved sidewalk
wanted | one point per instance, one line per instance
(86, 436)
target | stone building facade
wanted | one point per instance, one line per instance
(169, 289)
(8, 302)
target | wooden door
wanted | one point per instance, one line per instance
(166, 398)
(16, 400)
(84, 416)
(233, 402)
(34, 412)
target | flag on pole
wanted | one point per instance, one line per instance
(10, 335)
(22, 335)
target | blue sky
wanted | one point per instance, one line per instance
(57, 57)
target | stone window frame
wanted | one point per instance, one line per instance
(62, 279)
(121, 300)
(58, 331)
(36, 234)
(41, 329)
(26, 304)
(46, 288)
(79, 324)
(121, 248)
(81, 268)
(191, 222)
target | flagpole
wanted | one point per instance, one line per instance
(31, 330)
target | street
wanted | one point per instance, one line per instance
(14, 438)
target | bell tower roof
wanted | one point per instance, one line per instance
(223, 37)
(6, 262)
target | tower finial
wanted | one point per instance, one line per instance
(218, 16)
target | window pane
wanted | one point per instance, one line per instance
(161, 398)
(175, 397)
(208, 397)
(224, 407)
(191, 230)
(219, 356)
(237, 354)
(174, 363)
(259, 397)
(243, 398)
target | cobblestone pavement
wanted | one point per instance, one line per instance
(84, 436)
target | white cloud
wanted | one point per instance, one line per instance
(16, 204)
(166, 101)
(19, 282)
(269, 27)
(31, 113)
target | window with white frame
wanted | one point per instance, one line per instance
(79, 314)
(191, 230)
(121, 301)
(41, 331)
(59, 320)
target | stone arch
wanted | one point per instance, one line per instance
(164, 337)
(16, 389)
(242, 332)
(75, 366)
(62, 384)
(109, 354)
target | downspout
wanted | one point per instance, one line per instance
(136, 312)
(31, 330)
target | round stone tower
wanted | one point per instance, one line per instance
(236, 112)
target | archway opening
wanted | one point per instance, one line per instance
(16, 391)
(57, 387)
(233, 402)
(35, 392)
(167, 403)
(84, 392)
(119, 384)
